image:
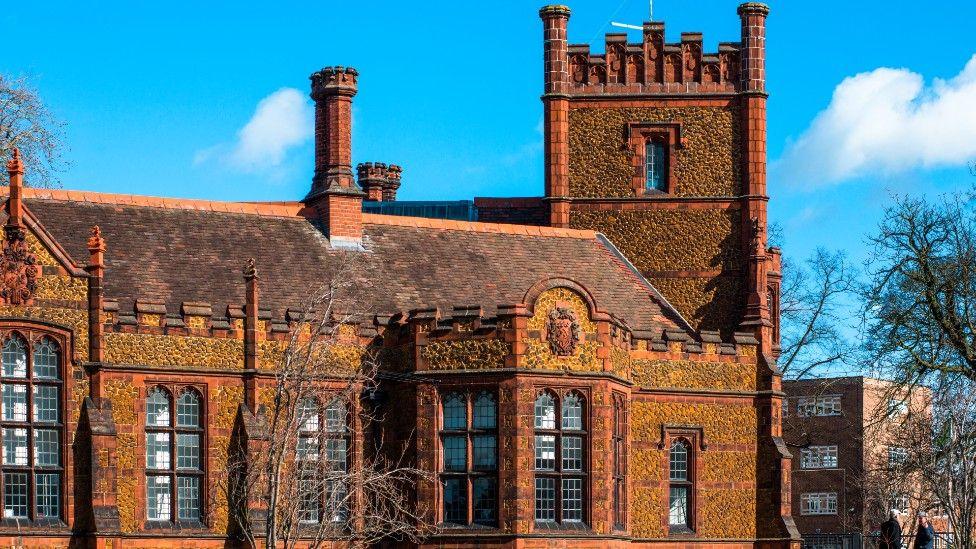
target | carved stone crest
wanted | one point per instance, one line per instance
(563, 331)
(18, 268)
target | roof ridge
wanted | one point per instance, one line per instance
(476, 226)
(276, 209)
(294, 209)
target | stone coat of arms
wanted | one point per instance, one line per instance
(18, 268)
(563, 331)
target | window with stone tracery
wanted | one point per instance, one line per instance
(560, 459)
(174, 455)
(469, 467)
(32, 427)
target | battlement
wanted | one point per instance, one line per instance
(654, 66)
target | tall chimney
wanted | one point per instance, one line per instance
(335, 199)
(555, 19)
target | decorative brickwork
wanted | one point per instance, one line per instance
(669, 373)
(669, 240)
(706, 163)
(465, 354)
(174, 351)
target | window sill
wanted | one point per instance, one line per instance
(680, 531)
(564, 526)
(458, 527)
(178, 526)
(39, 524)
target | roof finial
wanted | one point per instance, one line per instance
(15, 165)
(95, 241)
(250, 270)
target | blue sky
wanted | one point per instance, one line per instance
(159, 96)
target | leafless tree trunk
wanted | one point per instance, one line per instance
(325, 474)
(27, 124)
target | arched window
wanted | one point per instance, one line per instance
(322, 481)
(473, 435)
(174, 488)
(560, 458)
(32, 429)
(679, 475)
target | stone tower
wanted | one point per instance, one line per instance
(662, 147)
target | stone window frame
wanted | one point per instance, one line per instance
(174, 390)
(33, 333)
(559, 395)
(470, 474)
(619, 455)
(694, 437)
(322, 434)
(637, 134)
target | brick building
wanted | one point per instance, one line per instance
(637, 301)
(838, 432)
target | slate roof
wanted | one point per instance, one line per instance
(176, 251)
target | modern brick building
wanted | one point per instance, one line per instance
(838, 432)
(615, 353)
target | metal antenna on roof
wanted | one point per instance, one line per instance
(650, 17)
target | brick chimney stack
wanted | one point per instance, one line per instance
(335, 199)
(393, 173)
(372, 179)
(555, 19)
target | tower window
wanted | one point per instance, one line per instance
(655, 166)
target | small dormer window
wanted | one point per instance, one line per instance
(655, 168)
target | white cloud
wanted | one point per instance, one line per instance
(281, 121)
(885, 121)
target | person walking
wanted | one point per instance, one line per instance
(926, 534)
(890, 532)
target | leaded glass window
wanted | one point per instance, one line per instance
(31, 429)
(679, 491)
(174, 454)
(469, 466)
(655, 165)
(323, 450)
(560, 458)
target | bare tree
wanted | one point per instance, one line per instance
(939, 444)
(920, 301)
(325, 473)
(920, 331)
(812, 314)
(27, 124)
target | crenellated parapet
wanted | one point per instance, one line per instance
(654, 66)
